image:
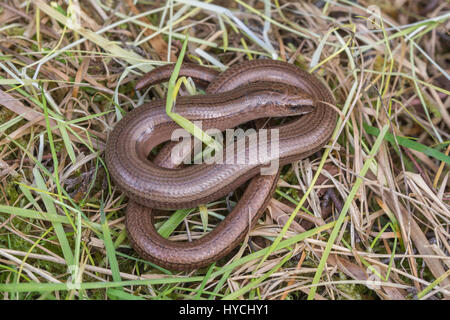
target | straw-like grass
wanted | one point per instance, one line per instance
(367, 218)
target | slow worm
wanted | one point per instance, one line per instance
(249, 90)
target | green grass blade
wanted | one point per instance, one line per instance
(173, 222)
(343, 213)
(109, 246)
(32, 214)
(122, 295)
(170, 102)
(408, 143)
(51, 209)
(205, 280)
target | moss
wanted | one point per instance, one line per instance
(350, 289)
(16, 31)
(11, 192)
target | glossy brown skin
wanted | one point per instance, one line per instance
(312, 131)
(203, 75)
(145, 127)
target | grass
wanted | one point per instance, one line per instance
(373, 206)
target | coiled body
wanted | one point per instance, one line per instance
(150, 185)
